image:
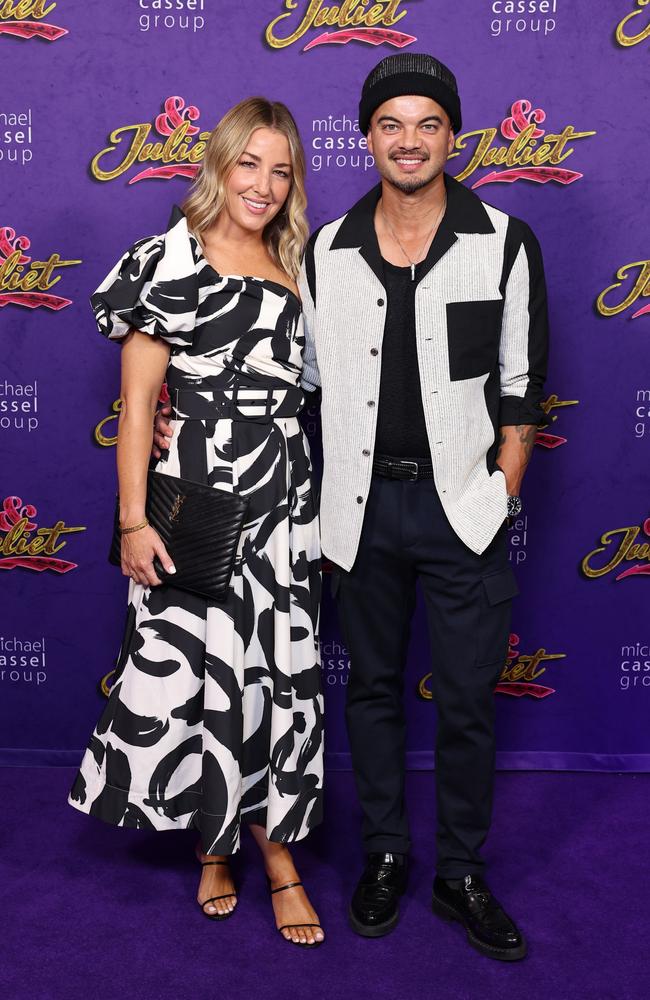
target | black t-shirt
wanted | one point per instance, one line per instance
(401, 430)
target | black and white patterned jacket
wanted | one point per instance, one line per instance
(482, 331)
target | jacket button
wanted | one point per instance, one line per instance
(371, 402)
(380, 302)
(365, 452)
(359, 499)
(374, 352)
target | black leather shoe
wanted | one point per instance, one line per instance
(374, 909)
(489, 928)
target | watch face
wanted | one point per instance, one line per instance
(515, 506)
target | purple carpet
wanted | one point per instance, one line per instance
(91, 911)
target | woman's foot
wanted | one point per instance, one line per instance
(292, 906)
(216, 880)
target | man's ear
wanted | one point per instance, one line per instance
(369, 141)
(451, 141)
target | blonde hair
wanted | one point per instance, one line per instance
(285, 236)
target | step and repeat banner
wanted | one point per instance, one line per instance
(104, 113)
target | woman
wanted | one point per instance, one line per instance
(215, 715)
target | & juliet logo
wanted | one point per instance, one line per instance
(636, 278)
(533, 154)
(622, 36)
(173, 143)
(23, 543)
(27, 282)
(519, 674)
(543, 438)
(521, 670)
(620, 545)
(370, 21)
(24, 19)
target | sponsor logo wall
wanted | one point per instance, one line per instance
(542, 139)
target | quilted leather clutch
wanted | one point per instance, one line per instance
(200, 527)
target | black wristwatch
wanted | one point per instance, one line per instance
(515, 506)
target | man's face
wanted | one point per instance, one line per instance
(410, 138)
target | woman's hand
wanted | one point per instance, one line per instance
(138, 551)
(162, 433)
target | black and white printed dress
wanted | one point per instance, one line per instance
(215, 716)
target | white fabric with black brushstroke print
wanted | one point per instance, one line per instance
(215, 715)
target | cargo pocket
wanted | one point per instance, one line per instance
(497, 591)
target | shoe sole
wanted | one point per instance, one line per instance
(448, 913)
(372, 930)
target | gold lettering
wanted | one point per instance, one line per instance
(305, 24)
(628, 40)
(487, 135)
(100, 437)
(554, 401)
(171, 153)
(521, 150)
(30, 281)
(33, 9)
(350, 12)
(47, 281)
(641, 287)
(196, 152)
(328, 16)
(140, 133)
(629, 536)
(9, 542)
(568, 133)
(176, 149)
(7, 266)
(526, 667)
(39, 275)
(17, 540)
(423, 689)
(53, 534)
(512, 159)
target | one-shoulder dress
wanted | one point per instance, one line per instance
(215, 714)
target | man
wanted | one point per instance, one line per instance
(425, 315)
(426, 327)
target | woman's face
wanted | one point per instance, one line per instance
(260, 182)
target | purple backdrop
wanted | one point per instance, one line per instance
(561, 92)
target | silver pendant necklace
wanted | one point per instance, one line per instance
(426, 242)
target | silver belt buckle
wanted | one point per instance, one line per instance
(414, 473)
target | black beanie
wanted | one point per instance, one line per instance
(409, 73)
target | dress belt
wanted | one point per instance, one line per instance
(401, 468)
(256, 405)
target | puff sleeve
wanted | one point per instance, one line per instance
(152, 288)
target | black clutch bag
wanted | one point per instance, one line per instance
(200, 527)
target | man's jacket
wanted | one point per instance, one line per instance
(482, 332)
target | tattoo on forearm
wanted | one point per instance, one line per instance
(527, 434)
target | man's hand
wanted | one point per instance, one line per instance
(515, 448)
(162, 432)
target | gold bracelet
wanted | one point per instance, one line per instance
(135, 527)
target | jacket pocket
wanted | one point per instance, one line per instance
(473, 335)
(497, 591)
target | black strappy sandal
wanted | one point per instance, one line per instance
(212, 899)
(301, 944)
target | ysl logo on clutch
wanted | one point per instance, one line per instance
(176, 507)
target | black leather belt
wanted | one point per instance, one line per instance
(401, 468)
(258, 405)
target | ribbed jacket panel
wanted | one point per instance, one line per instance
(466, 330)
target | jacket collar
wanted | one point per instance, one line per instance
(465, 214)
